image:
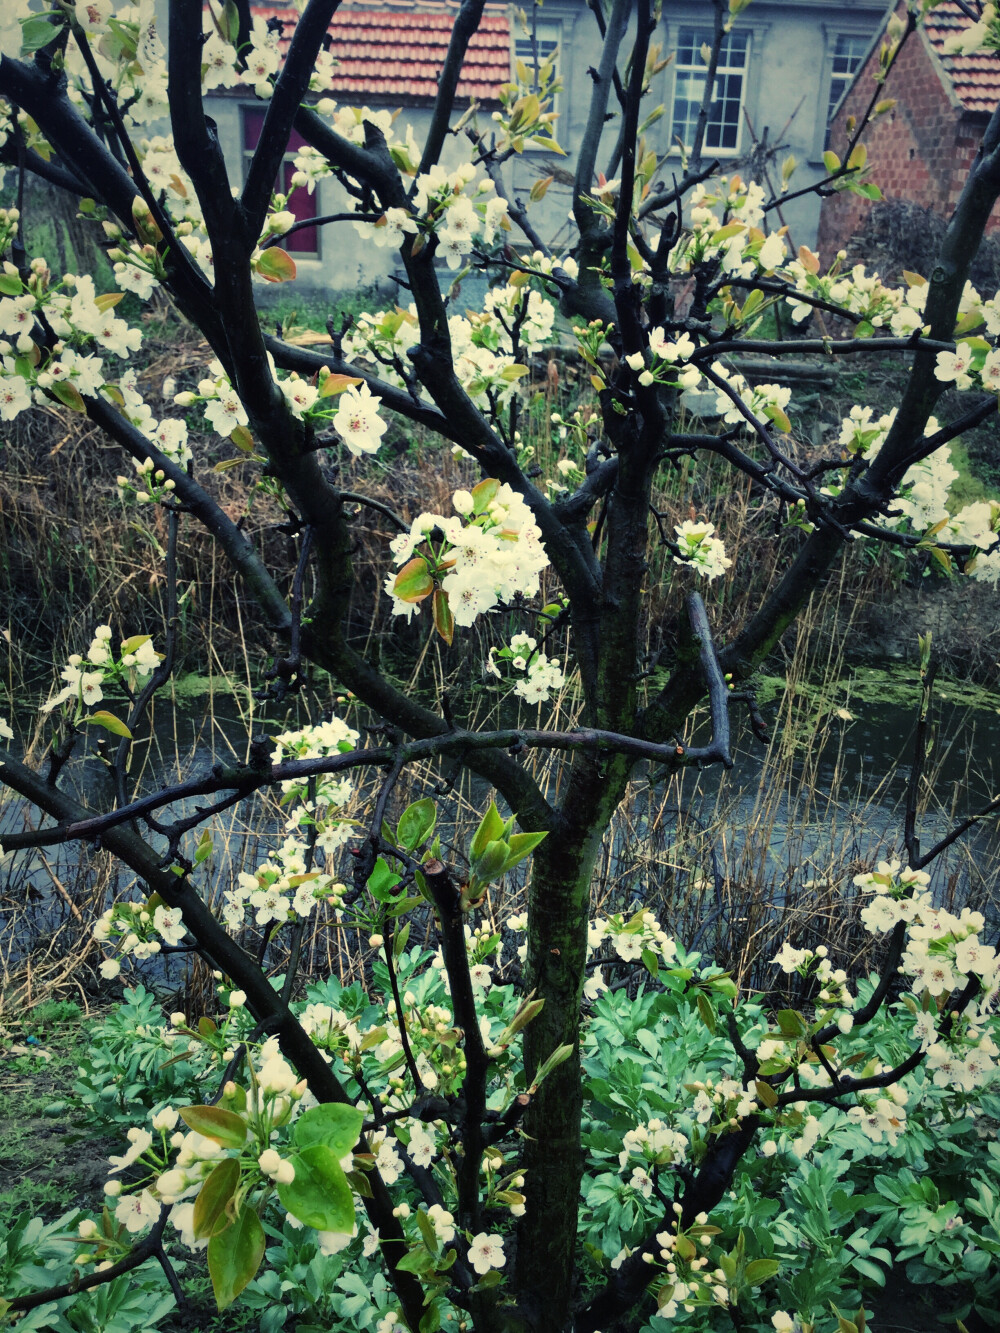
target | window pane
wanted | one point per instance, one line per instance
(302, 203)
(848, 52)
(723, 128)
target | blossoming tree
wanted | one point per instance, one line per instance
(446, 1107)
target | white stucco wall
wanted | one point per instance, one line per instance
(787, 85)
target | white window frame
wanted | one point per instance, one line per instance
(832, 35)
(696, 70)
(548, 36)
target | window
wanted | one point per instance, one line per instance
(848, 53)
(302, 204)
(722, 133)
(533, 46)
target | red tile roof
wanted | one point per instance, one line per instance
(394, 52)
(974, 78)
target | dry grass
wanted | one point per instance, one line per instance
(733, 872)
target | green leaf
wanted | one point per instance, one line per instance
(231, 22)
(69, 395)
(102, 718)
(416, 1261)
(332, 1124)
(760, 1270)
(382, 881)
(491, 863)
(791, 1023)
(204, 849)
(133, 644)
(225, 1127)
(766, 1095)
(36, 33)
(521, 845)
(430, 1320)
(319, 1195)
(210, 1205)
(427, 1233)
(489, 830)
(870, 1270)
(234, 1256)
(706, 1012)
(416, 824)
(10, 284)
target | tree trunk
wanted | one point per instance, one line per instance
(559, 911)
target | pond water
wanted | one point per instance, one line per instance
(779, 819)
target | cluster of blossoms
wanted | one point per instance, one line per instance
(815, 963)
(669, 361)
(638, 938)
(861, 294)
(355, 418)
(286, 886)
(487, 347)
(725, 1102)
(655, 1144)
(924, 492)
(458, 207)
(138, 930)
(974, 363)
(944, 953)
(767, 401)
(731, 235)
(540, 675)
(882, 1118)
(698, 546)
(489, 551)
(282, 888)
(134, 61)
(86, 676)
(77, 317)
(978, 525)
(68, 370)
(689, 1283)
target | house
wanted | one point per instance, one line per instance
(783, 66)
(921, 150)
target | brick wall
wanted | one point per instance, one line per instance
(921, 150)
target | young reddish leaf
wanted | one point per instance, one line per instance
(210, 1206)
(484, 494)
(333, 383)
(234, 1256)
(275, 265)
(808, 260)
(413, 582)
(224, 1127)
(444, 621)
